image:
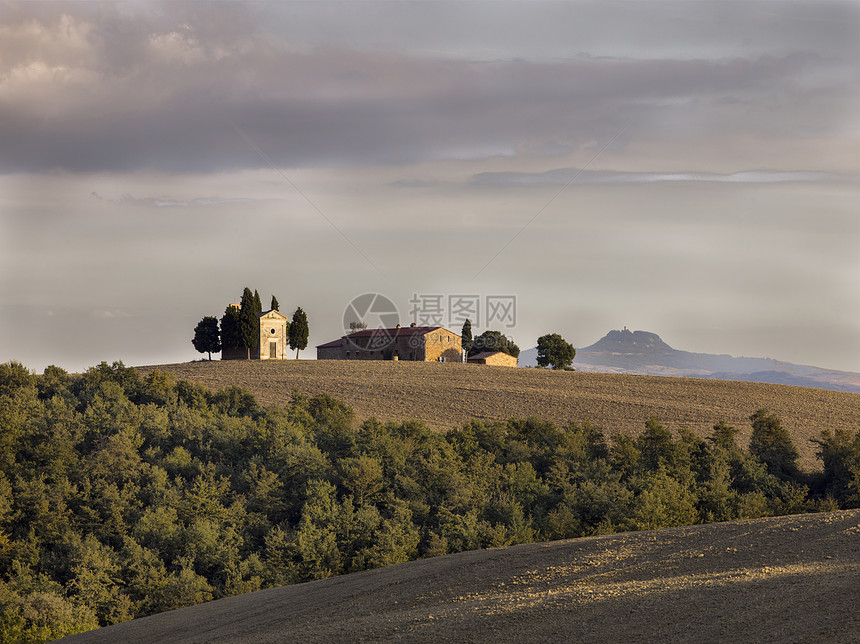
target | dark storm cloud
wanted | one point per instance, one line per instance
(178, 90)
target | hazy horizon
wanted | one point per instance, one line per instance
(687, 169)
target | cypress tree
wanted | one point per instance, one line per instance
(231, 324)
(258, 304)
(250, 328)
(275, 304)
(466, 334)
(299, 331)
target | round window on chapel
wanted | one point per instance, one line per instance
(272, 331)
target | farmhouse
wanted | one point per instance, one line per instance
(417, 343)
(272, 343)
(498, 358)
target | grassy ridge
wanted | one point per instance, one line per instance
(445, 396)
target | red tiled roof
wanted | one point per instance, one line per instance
(404, 330)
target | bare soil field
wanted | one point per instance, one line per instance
(785, 579)
(446, 395)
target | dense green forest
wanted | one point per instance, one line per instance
(123, 496)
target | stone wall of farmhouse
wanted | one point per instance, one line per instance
(382, 346)
(442, 345)
(501, 360)
(329, 353)
(437, 345)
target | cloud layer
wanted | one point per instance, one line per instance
(100, 88)
(686, 168)
(570, 176)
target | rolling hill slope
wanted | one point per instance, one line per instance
(768, 580)
(446, 395)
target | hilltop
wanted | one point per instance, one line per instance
(788, 578)
(645, 353)
(446, 395)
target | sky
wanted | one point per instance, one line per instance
(691, 169)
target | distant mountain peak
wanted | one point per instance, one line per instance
(644, 353)
(626, 341)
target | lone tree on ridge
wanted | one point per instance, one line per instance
(552, 350)
(207, 339)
